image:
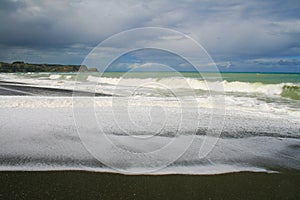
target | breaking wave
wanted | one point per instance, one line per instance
(287, 90)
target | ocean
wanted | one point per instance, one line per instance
(150, 123)
(94, 129)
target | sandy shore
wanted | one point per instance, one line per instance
(90, 185)
(22, 89)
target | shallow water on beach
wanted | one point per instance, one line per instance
(44, 128)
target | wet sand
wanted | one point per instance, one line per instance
(21, 89)
(91, 185)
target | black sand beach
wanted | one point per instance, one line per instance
(20, 89)
(91, 185)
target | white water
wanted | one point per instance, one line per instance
(40, 133)
(67, 81)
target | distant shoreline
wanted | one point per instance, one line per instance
(20, 66)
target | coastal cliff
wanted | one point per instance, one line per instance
(20, 66)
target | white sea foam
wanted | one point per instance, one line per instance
(26, 145)
(164, 92)
(54, 76)
(190, 83)
(107, 83)
(39, 133)
(233, 105)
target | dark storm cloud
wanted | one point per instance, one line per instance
(9, 6)
(283, 62)
(275, 9)
(228, 30)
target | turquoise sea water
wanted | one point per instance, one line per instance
(270, 78)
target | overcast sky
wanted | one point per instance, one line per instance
(238, 35)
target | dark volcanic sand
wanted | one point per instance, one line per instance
(19, 89)
(90, 185)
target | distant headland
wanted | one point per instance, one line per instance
(20, 66)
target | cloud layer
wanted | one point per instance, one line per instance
(232, 31)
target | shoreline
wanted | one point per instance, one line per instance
(22, 89)
(94, 185)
